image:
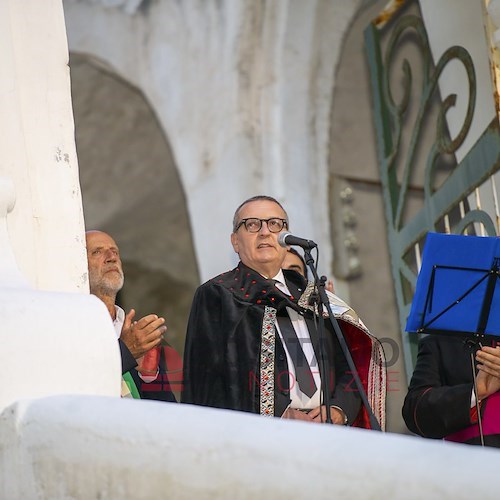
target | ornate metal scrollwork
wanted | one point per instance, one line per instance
(439, 200)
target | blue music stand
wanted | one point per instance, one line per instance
(457, 287)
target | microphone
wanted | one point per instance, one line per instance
(285, 239)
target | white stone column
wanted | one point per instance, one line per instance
(53, 341)
(37, 148)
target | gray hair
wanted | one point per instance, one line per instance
(259, 197)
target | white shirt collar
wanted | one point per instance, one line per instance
(280, 277)
(281, 283)
(119, 320)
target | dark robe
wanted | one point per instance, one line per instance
(438, 401)
(160, 389)
(128, 361)
(223, 345)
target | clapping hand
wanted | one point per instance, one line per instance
(488, 378)
(142, 335)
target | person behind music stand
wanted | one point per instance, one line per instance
(440, 402)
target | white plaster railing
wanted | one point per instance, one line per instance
(52, 343)
(95, 447)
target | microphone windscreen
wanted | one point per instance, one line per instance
(282, 237)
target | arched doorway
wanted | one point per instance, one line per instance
(361, 252)
(131, 189)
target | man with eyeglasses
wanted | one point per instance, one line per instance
(251, 342)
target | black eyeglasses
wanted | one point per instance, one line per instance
(253, 225)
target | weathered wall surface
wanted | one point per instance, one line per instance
(54, 341)
(242, 91)
(184, 109)
(37, 146)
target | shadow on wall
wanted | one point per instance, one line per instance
(131, 189)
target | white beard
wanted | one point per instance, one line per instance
(109, 284)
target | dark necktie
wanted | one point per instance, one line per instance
(303, 374)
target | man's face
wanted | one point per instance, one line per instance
(105, 266)
(260, 251)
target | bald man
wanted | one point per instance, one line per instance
(136, 338)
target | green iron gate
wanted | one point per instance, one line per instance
(425, 187)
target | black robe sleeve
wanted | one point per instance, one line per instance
(222, 350)
(128, 361)
(439, 395)
(203, 351)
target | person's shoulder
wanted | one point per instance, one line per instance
(221, 280)
(296, 278)
(441, 342)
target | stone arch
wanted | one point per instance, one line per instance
(131, 189)
(361, 254)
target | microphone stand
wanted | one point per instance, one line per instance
(323, 365)
(472, 345)
(324, 303)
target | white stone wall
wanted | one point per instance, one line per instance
(53, 341)
(243, 92)
(37, 147)
(466, 30)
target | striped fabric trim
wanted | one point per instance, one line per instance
(377, 382)
(267, 355)
(129, 389)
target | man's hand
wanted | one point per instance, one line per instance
(317, 415)
(141, 336)
(329, 286)
(293, 414)
(488, 378)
